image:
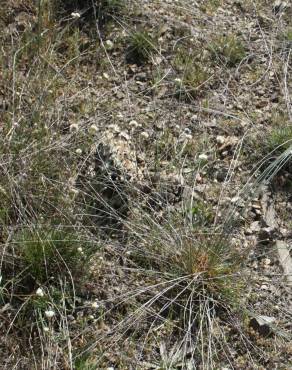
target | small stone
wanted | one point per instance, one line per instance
(106, 76)
(262, 324)
(266, 261)
(255, 226)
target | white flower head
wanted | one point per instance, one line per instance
(40, 292)
(134, 124)
(46, 329)
(80, 250)
(145, 134)
(75, 15)
(109, 44)
(49, 313)
(93, 129)
(73, 127)
(220, 139)
(95, 305)
(203, 156)
(78, 151)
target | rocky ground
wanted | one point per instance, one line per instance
(159, 107)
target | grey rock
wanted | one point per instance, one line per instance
(262, 324)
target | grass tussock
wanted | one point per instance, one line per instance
(141, 47)
(193, 277)
(193, 71)
(229, 50)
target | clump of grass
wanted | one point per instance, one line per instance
(49, 253)
(141, 47)
(195, 273)
(182, 246)
(192, 70)
(280, 138)
(228, 49)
